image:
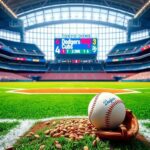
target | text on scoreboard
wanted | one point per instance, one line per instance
(75, 45)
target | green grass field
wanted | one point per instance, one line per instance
(5, 127)
(48, 105)
(147, 125)
(21, 106)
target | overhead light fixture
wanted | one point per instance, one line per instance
(8, 9)
(142, 9)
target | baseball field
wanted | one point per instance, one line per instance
(22, 102)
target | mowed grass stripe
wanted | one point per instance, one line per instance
(120, 85)
(45, 106)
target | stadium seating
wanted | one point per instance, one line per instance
(143, 76)
(20, 48)
(19, 56)
(133, 56)
(91, 67)
(130, 48)
(22, 67)
(77, 76)
(26, 57)
(7, 76)
(127, 67)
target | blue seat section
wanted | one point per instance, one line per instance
(133, 56)
(22, 67)
(20, 48)
(19, 56)
(126, 49)
(128, 67)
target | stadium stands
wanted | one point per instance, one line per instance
(22, 67)
(19, 56)
(20, 48)
(143, 76)
(133, 56)
(130, 48)
(7, 76)
(91, 67)
(77, 76)
(23, 57)
(127, 67)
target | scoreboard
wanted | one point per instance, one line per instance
(77, 46)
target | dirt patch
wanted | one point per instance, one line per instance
(73, 129)
(72, 91)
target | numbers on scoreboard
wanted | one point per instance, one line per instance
(94, 41)
(57, 50)
(94, 48)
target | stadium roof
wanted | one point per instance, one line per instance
(19, 6)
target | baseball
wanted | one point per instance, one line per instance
(106, 110)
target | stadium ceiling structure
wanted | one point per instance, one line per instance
(19, 6)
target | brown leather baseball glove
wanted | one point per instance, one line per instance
(128, 129)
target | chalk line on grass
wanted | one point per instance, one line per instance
(129, 92)
(10, 139)
(9, 120)
(143, 129)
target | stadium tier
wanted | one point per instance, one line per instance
(20, 48)
(77, 76)
(133, 56)
(130, 48)
(143, 76)
(8, 76)
(17, 56)
(126, 57)
(91, 67)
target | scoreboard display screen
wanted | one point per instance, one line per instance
(78, 46)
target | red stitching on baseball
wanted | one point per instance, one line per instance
(108, 113)
(93, 106)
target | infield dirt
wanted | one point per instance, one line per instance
(71, 90)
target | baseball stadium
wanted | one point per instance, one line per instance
(74, 74)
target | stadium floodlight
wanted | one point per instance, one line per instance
(8, 9)
(146, 5)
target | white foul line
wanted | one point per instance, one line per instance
(9, 139)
